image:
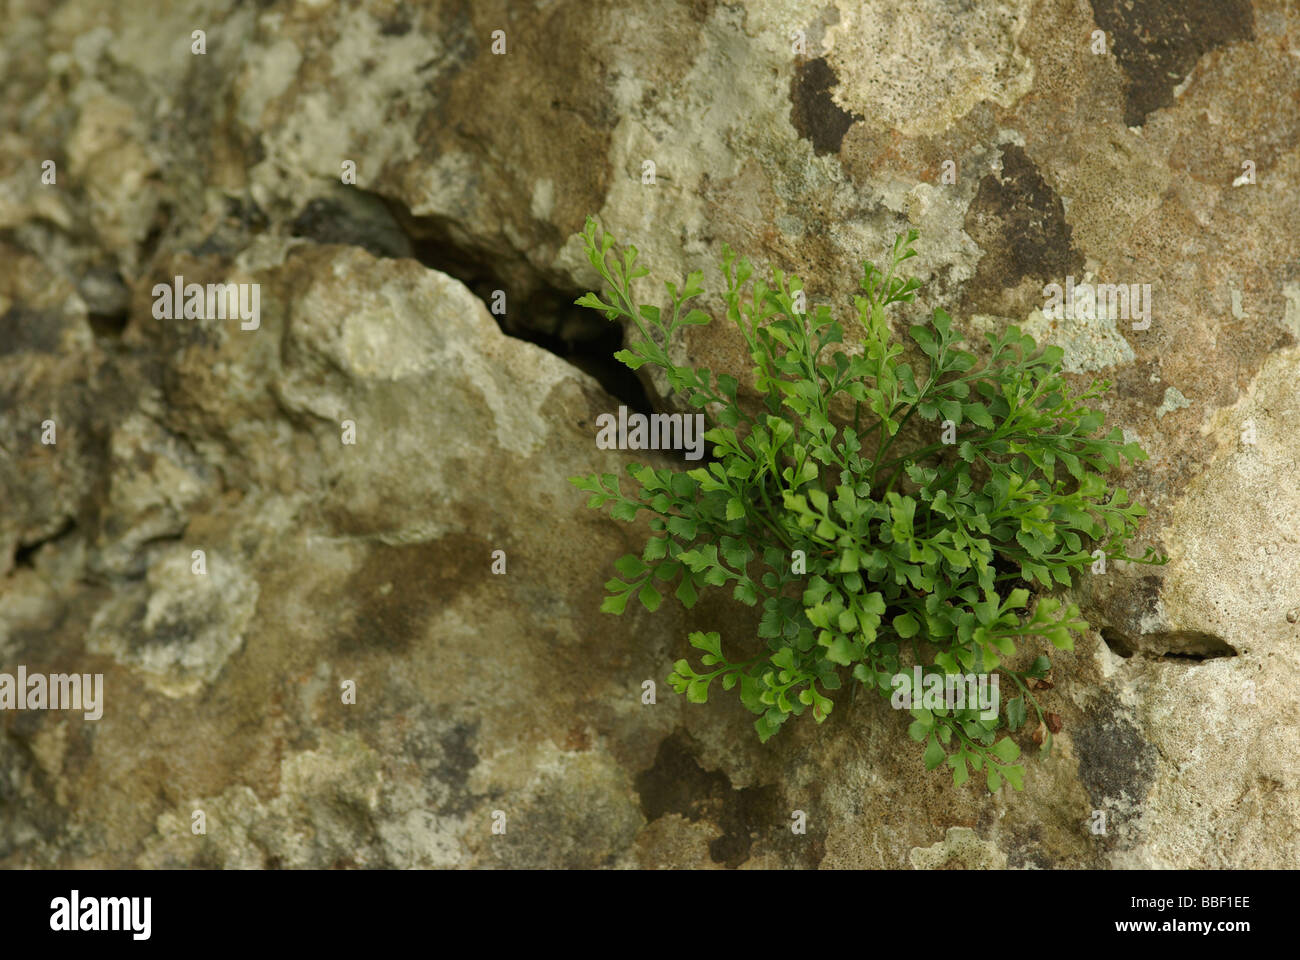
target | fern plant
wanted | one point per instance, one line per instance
(871, 550)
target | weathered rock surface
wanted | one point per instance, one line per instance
(478, 693)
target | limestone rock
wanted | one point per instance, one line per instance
(349, 684)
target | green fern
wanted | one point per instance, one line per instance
(866, 550)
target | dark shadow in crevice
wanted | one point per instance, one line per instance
(576, 334)
(108, 326)
(594, 356)
(1119, 644)
(539, 310)
(1181, 646)
(23, 556)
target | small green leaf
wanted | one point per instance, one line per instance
(842, 651)
(1016, 713)
(630, 566)
(686, 592)
(1015, 776)
(906, 625)
(1005, 750)
(933, 755)
(650, 597)
(960, 774)
(978, 414)
(615, 604)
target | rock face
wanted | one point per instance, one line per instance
(277, 544)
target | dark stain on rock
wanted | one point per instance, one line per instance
(1018, 220)
(398, 589)
(243, 219)
(701, 10)
(395, 26)
(244, 211)
(815, 114)
(29, 828)
(1157, 43)
(1115, 762)
(1149, 594)
(1133, 382)
(23, 330)
(1026, 849)
(458, 760)
(676, 783)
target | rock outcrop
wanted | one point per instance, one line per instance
(277, 543)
